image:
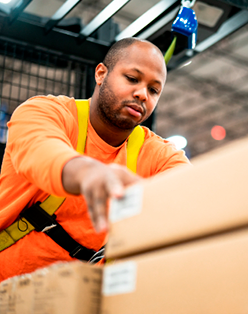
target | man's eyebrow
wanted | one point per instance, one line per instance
(141, 73)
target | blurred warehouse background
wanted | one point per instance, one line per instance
(52, 46)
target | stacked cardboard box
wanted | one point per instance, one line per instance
(209, 276)
(180, 241)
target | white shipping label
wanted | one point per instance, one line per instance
(119, 279)
(128, 206)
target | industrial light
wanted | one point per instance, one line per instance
(218, 132)
(186, 64)
(179, 141)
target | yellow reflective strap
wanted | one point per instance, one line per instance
(83, 116)
(21, 226)
(135, 141)
(5, 240)
(14, 232)
(52, 203)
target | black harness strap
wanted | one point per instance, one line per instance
(43, 222)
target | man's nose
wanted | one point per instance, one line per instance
(141, 94)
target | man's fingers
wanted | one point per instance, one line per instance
(96, 199)
(100, 214)
(115, 188)
(102, 183)
(121, 178)
(88, 195)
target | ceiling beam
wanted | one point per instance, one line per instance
(18, 9)
(159, 24)
(5, 8)
(145, 19)
(60, 14)
(101, 18)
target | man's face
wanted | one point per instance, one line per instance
(130, 92)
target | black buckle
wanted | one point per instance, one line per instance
(39, 218)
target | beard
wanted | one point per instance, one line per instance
(109, 110)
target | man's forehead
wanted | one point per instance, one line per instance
(143, 49)
(138, 55)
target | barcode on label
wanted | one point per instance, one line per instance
(119, 279)
(128, 206)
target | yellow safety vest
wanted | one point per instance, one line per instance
(21, 227)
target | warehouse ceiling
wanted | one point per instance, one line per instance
(211, 90)
(205, 87)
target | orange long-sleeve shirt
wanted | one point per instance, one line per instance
(42, 138)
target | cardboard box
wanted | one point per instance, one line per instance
(208, 276)
(23, 294)
(73, 288)
(182, 204)
(6, 296)
(66, 287)
(42, 297)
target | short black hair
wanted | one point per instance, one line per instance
(115, 51)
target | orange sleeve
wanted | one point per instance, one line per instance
(42, 138)
(169, 157)
(158, 155)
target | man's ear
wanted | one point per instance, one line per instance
(100, 73)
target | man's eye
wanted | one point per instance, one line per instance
(153, 91)
(131, 79)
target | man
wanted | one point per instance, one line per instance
(41, 159)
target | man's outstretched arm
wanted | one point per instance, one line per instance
(97, 182)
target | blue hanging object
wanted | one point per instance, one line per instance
(185, 26)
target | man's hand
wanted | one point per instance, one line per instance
(97, 182)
